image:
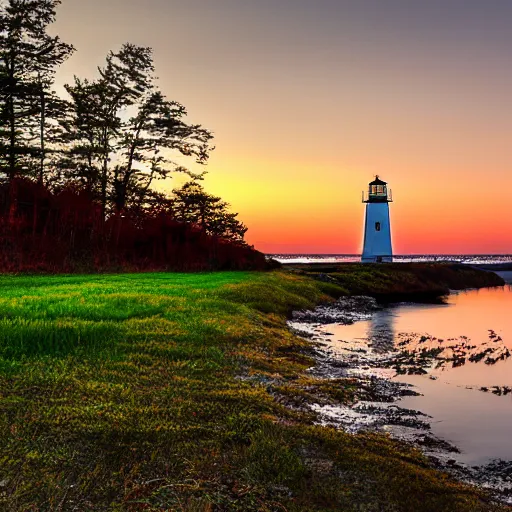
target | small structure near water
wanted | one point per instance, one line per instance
(377, 229)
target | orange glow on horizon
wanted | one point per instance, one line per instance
(288, 211)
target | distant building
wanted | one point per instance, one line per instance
(377, 228)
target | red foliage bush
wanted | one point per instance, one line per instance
(65, 232)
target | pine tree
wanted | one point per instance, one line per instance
(28, 107)
(124, 132)
(194, 205)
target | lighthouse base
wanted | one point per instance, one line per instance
(377, 246)
(377, 259)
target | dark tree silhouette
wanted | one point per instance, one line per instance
(77, 174)
(123, 132)
(28, 108)
(194, 205)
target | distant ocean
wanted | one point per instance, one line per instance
(473, 259)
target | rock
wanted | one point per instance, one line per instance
(409, 392)
(433, 442)
(344, 311)
(416, 371)
(459, 362)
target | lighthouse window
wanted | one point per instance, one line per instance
(377, 226)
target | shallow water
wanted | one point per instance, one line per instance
(479, 423)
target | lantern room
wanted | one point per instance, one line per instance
(377, 192)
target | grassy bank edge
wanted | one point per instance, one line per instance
(395, 282)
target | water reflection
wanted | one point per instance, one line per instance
(381, 331)
(473, 322)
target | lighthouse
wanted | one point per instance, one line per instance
(377, 227)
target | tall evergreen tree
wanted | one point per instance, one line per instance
(194, 205)
(29, 57)
(124, 132)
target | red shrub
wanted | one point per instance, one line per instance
(66, 232)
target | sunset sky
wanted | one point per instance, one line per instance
(309, 99)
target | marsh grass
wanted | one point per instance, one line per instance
(167, 391)
(390, 282)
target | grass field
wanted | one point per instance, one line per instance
(163, 392)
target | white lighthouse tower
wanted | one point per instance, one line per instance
(377, 229)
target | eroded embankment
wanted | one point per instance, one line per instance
(397, 282)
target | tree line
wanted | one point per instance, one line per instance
(114, 136)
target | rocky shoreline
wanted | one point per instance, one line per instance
(376, 405)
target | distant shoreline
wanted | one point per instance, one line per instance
(469, 259)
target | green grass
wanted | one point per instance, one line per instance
(165, 391)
